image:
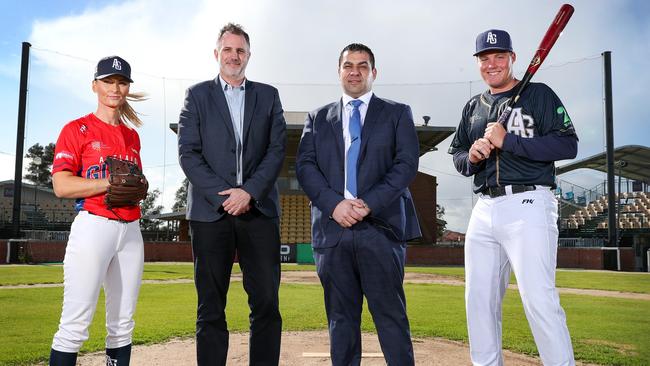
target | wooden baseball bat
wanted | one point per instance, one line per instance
(552, 34)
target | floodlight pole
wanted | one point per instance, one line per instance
(20, 139)
(612, 222)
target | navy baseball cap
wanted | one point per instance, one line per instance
(113, 65)
(493, 39)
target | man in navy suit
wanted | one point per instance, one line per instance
(231, 142)
(355, 161)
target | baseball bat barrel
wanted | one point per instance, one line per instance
(552, 34)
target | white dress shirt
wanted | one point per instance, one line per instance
(236, 98)
(346, 111)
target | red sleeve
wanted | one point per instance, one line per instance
(67, 153)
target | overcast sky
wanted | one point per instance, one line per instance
(423, 53)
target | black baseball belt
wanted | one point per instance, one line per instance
(494, 192)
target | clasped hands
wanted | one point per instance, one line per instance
(492, 139)
(238, 201)
(350, 211)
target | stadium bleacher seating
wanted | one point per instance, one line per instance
(634, 213)
(295, 222)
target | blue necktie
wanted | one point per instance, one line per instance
(355, 144)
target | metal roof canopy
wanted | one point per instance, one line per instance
(630, 161)
(428, 136)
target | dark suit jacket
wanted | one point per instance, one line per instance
(206, 148)
(388, 162)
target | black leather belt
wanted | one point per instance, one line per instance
(494, 192)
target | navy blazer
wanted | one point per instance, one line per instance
(207, 146)
(388, 163)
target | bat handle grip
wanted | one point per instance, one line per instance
(503, 118)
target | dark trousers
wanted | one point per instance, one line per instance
(256, 240)
(365, 262)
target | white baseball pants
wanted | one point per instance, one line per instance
(100, 251)
(518, 232)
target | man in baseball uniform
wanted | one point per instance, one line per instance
(514, 223)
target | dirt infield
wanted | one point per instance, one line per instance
(304, 348)
(310, 277)
(311, 348)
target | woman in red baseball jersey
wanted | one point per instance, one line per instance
(105, 245)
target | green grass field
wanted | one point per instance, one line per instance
(595, 280)
(53, 273)
(590, 280)
(606, 331)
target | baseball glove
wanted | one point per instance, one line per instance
(128, 186)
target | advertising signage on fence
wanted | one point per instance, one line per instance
(288, 253)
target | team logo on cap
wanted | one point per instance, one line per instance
(491, 38)
(117, 65)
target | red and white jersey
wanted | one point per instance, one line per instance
(82, 148)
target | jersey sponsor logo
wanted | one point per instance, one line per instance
(521, 124)
(63, 155)
(128, 157)
(83, 129)
(491, 38)
(527, 200)
(561, 111)
(99, 171)
(117, 65)
(99, 146)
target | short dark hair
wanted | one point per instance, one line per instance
(358, 47)
(234, 29)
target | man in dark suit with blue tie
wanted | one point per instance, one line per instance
(231, 143)
(355, 161)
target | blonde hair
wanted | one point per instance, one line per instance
(127, 113)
